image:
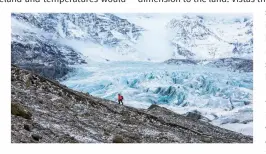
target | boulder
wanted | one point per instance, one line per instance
(36, 137)
(18, 110)
(118, 139)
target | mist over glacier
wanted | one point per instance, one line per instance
(155, 40)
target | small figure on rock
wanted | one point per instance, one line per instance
(120, 99)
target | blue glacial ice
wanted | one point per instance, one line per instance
(222, 96)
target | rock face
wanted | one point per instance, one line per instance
(47, 43)
(35, 53)
(231, 64)
(234, 64)
(181, 61)
(61, 115)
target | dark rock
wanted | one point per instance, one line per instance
(230, 121)
(153, 106)
(246, 121)
(40, 101)
(243, 140)
(206, 139)
(27, 127)
(67, 139)
(195, 115)
(18, 110)
(182, 61)
(36, 137)
(118, 139)
(247, 103)
(106, 133)
(52, 72)
(233, 64)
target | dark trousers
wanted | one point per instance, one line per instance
(120, 101)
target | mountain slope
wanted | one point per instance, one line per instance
(51, 43)
(45, 111)
(112, 37)
(206, 37)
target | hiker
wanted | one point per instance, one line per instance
(120, 99)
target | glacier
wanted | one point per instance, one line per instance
(223, 96)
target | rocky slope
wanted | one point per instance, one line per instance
(45, 111)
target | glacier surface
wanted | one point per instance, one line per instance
(224, 97)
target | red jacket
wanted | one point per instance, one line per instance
(120, 97)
